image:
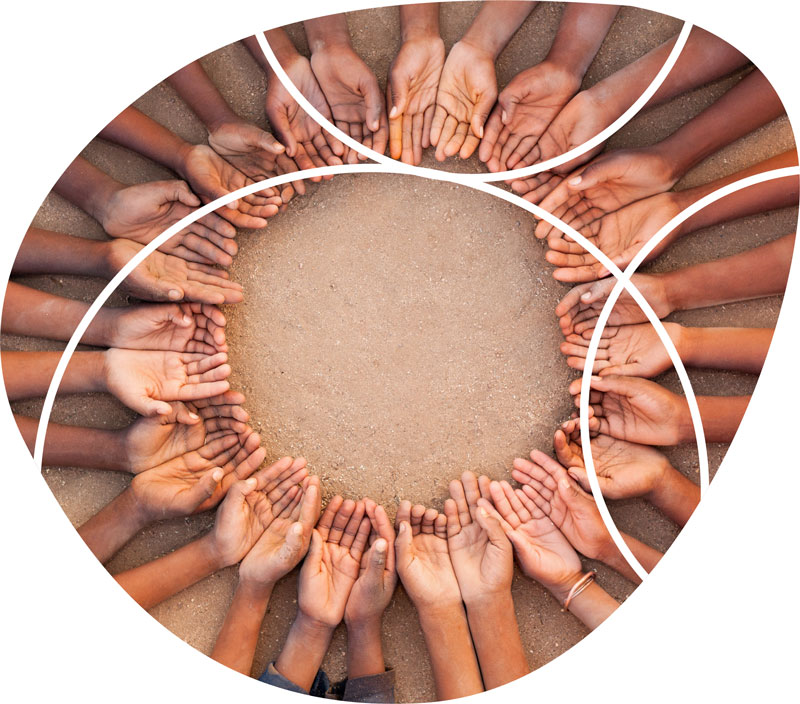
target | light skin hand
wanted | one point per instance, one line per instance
(146, 381)
(628, 350)
(163, 277)
(636, 410)
(142, 212)
(483, 566)
(467, 91)
(619, 235)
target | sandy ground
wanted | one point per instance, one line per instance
(398, 331)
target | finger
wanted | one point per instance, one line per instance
(503, 506)
(492, 129)
(377, 561)
(446, 135)
(491, 523)
(340, 521)
(471, 491)
(417, 125)
(451, 514)
(360, 539)
(428, 520)
(417, 514)
(325, 522)
(457, 140)
(462, 506)
(403, 513)
(437, 124)
(440, 526)
(427, 124)
(353, 525)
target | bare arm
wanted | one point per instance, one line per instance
(582, 30)
(237, 640)
(495, 24)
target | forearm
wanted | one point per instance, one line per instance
(759, 272)
(84, 185)
(738, 112)
(721, 416)
(582, 30)
(46, 252)
(113, 526)
(28, 311)
(592, 606)
(495, 634)
(495, 24)
(736, 349)
(238, 637)
(155, 581)
(304, 651)
(364, 649)
(675, 496)
(134, 130)
(201, 95)
(759, 198)
(28, 374)
(705, 57)
(419, 20)
(75, 446)
(324, 32)
(447, 637)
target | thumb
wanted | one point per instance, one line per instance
(269, 144)
(508, 105)
(492, 526)
(152, 407)
(377, 561)
(590, 176)
(292, 548)
(403, 543)
(399, 92)
(314, 557)
(373, 103)
(480, 114)
(568, 490)
(180, 191)
(204, 488)
(579, 475)
(279, 119)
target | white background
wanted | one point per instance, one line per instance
(711, 621)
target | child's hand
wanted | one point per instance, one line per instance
(285, 541)
(333, 562)
(423, 560)
(629, 350)
(411, 96)
(579, 309)
(162, 277)
(377, 577)
(525, 108)
(544, 554)
(306, 142)
(252, 504)
(142, 212)
(546, 483)
(185, 327)
(624, 469)
(619, 235)
(466, 94)
(355, 99)
(195, 481)
(211, 177)
(479, 550)
(146, 381)
(610, 182)
(149, 442)
(637, 410)
(256, 154)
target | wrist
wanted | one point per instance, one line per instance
(180, 159)
(99, 199)
(415, 31)
(560, 589)
(481, 44)
(254, 590)
(208, 548)
(364, 625)
(132, 511)
(102, 331)
(664, 486)
(487, 600)
(312, 629)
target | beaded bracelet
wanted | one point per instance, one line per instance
(578, 587)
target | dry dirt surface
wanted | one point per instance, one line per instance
(397, 331)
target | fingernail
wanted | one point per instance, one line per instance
(483, 512)
(174, 295)
(217, 475)
(504, 117)
(564, 482)
(402, 528)
(574, 181)
(393, 112)
(297, 529)
(193, 416)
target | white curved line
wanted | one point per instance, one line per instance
(524, 172)
(390, 167)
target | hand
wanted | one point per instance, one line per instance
(354, 97)
(333, 562)
(619, 235)
(194, 481)
(481, 554)
(306, 142)
(610, 182)
(466, 94)
(211, 177)
(637, 410)
(377, 577)
(583, 117)
(624, 469)
(579, 309)
(423, 560)
(546, 483)
(169, 327)
(628, 350)
(411, 96)
(525, 108)
(285, 541)
(257, 155)
(142, 212)
(536, 187)
(149, 442)
(251, 505)
(145, 381)
(543, 553)
(162, 277)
